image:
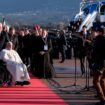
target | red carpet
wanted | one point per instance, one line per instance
(37, 93)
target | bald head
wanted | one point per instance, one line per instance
(9, 45)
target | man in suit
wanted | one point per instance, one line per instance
(13, 38)
(3, 37)
(62, 45)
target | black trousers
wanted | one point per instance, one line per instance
(63, 53)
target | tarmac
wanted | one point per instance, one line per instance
(70, 85)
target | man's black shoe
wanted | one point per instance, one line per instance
(1, 83)
(26, 82)
(102, 102)
(18, 83)
(82, 74)
(8, 83)
(61, 61)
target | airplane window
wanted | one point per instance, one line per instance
(102, 10)
(86, 11)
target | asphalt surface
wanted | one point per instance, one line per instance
(70, 85)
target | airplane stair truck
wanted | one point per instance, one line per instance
(88, 21)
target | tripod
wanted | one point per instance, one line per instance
(87, 74)
(70, 88)
(74, 88)
(75, 76)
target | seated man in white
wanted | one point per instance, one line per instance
(15, 65)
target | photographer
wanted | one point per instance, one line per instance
(81, 52)
(98, 66)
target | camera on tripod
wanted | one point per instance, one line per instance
(74, 41)
(78, 45)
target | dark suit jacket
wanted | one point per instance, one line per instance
(14, 40)
(3, 39)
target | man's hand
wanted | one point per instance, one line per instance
(102, 70)
(41, 52)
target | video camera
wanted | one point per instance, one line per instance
(78, 45)
(75, 38)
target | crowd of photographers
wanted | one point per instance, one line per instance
(90, 44)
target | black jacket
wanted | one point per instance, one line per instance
(99, 48)
(3, 39)
(14, 40)
(98, 55)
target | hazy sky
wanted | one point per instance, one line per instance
(30, 5)
(24, 5)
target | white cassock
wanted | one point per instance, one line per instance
(14, 64)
